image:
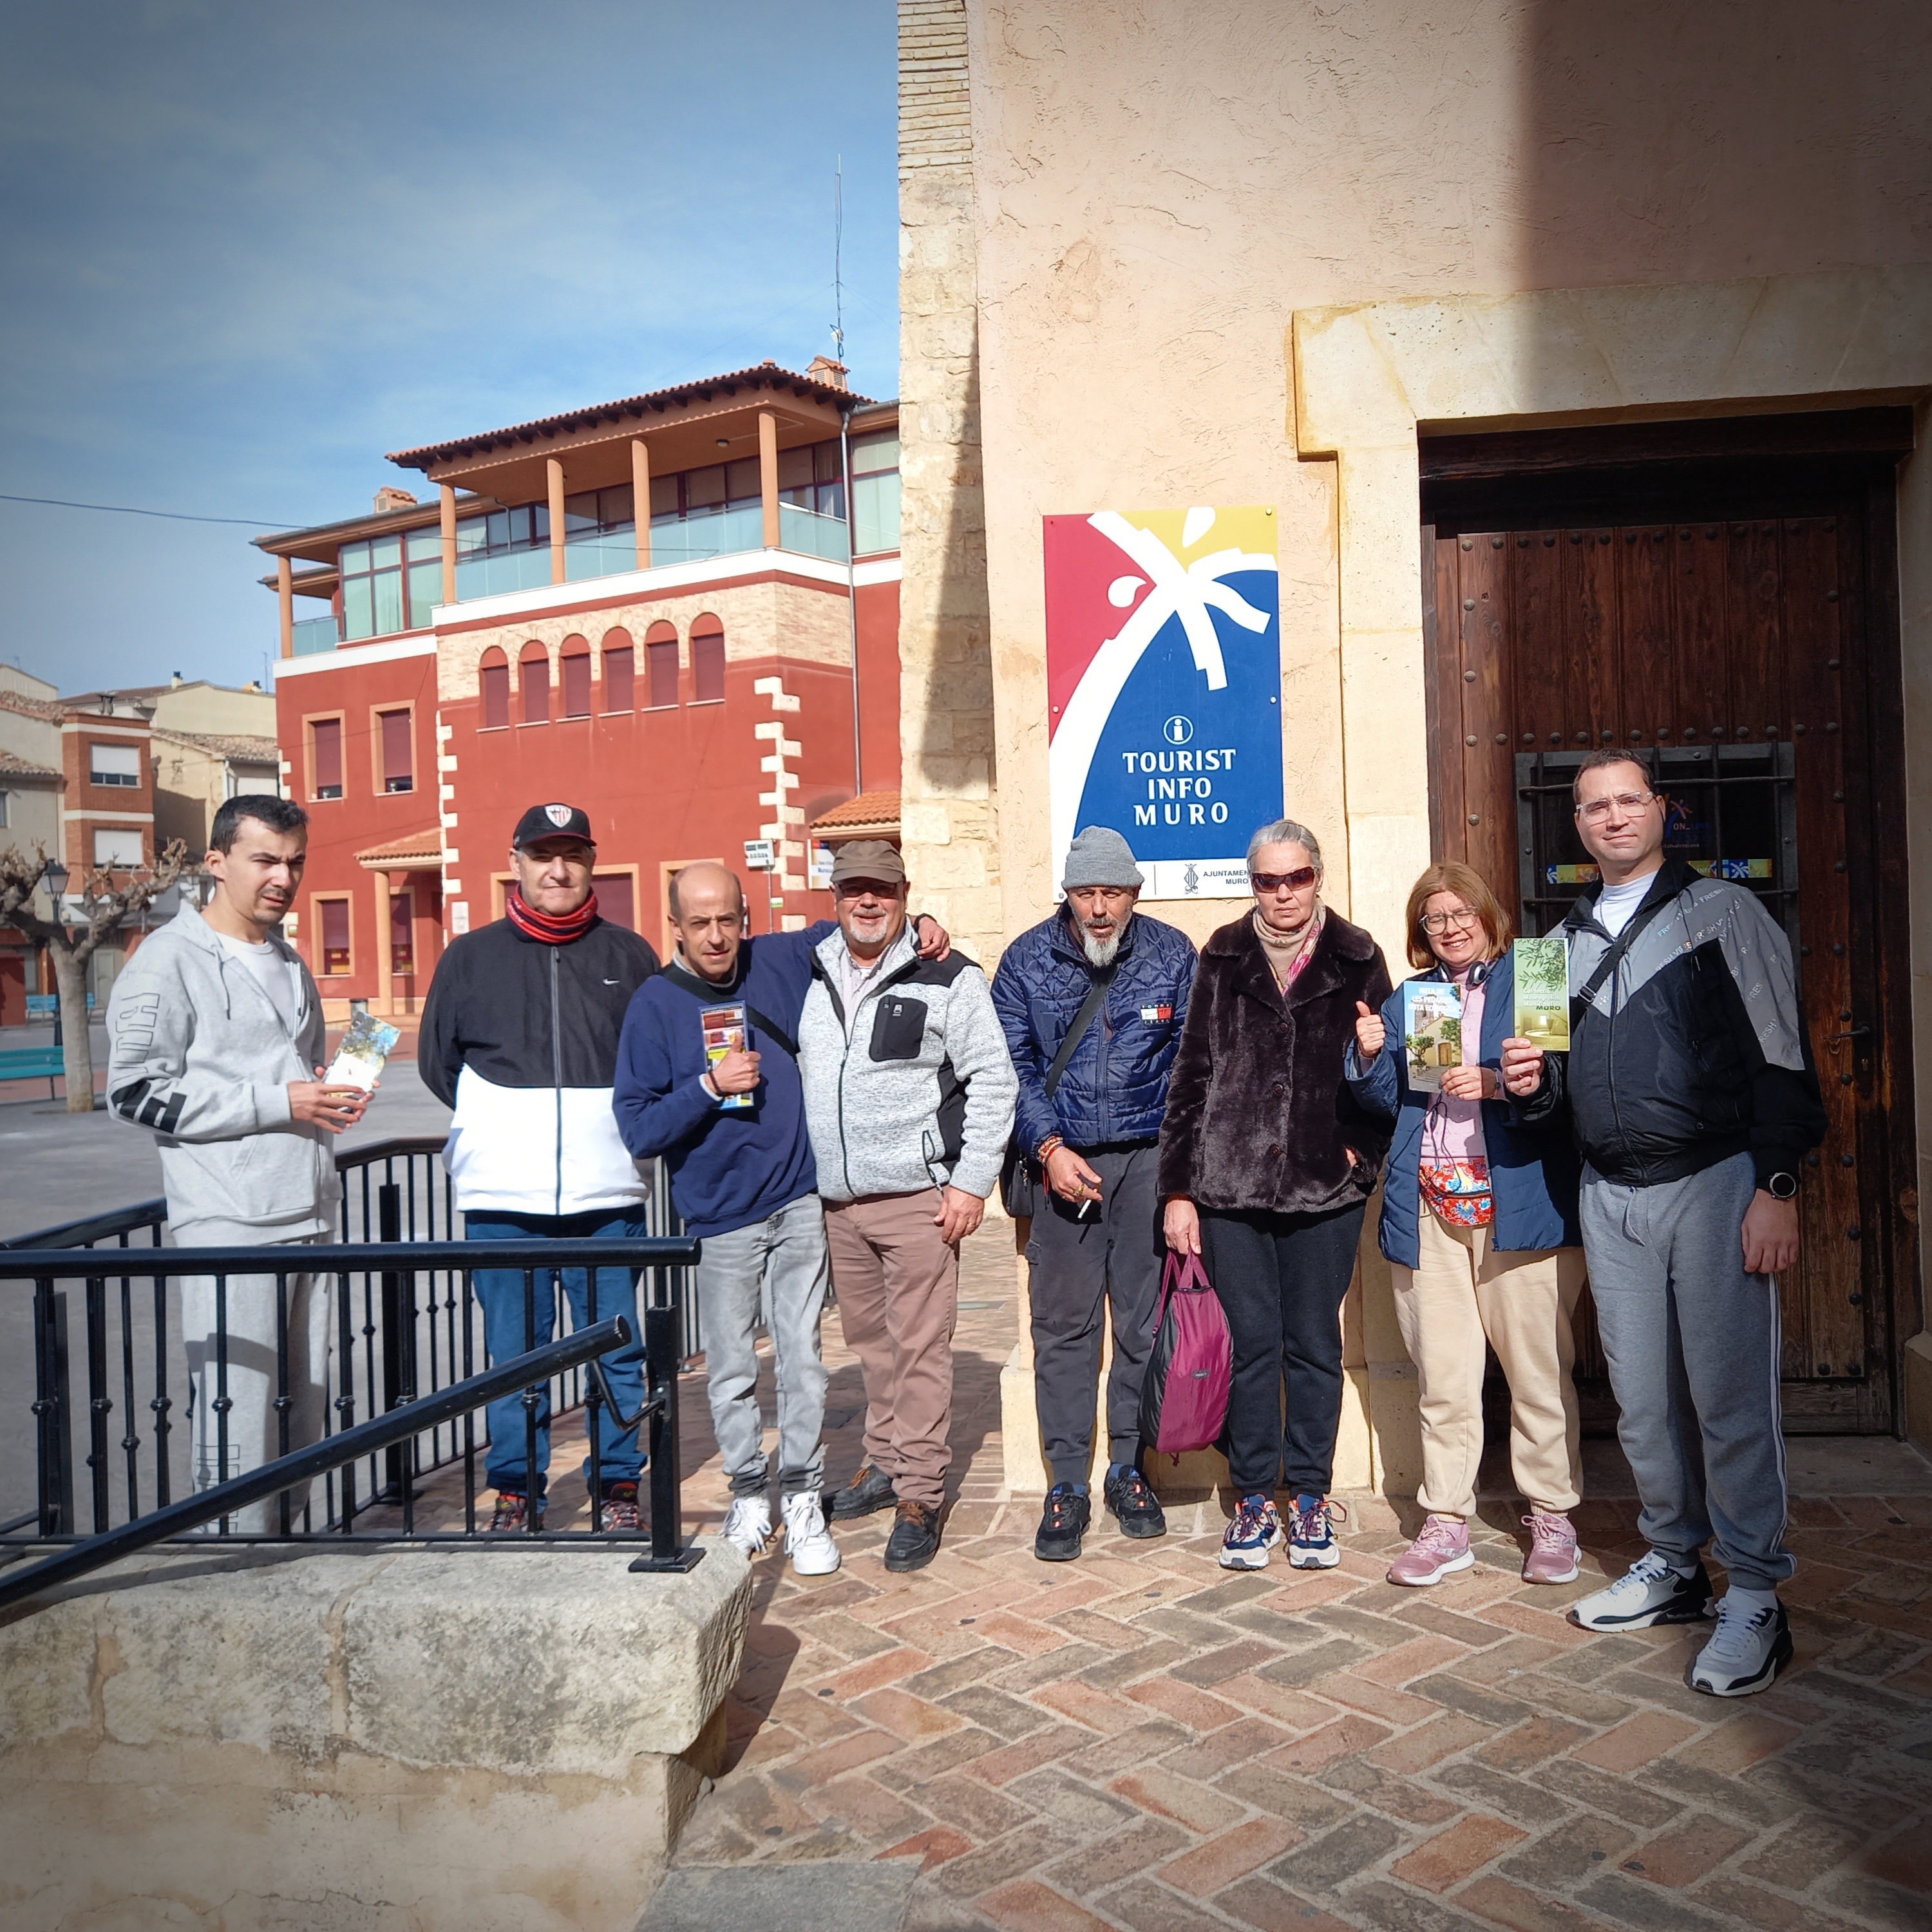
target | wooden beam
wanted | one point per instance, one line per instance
(768, 474)
(553, 469)
(641, 491)
(446, 496)
(285, 592)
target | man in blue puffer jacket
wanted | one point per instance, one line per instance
(1095, 1237)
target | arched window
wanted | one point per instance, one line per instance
(575, 665)
(707, 660)
(661, 664)
(620, 662)
(494, 676)
(535, 667)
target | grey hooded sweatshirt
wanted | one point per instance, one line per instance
(197, 1053)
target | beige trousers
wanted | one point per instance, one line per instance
(1464, 1294)
(898, 1285)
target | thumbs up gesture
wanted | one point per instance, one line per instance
(1371, 1036)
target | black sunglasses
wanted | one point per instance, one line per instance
(1273, 882)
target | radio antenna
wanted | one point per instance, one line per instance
(838, 260)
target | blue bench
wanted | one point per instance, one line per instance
(44, 1005)
(33, 1063)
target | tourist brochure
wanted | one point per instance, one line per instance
(1432, 1026)
(726, 1031)
(364, 1051)
(1542, 968)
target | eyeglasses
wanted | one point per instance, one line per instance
(1598, 809)
(1463, 919)
(1275, 882)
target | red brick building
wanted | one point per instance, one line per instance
(680, 611)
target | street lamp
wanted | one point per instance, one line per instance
(56, 876)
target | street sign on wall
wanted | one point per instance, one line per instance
(1163, 668)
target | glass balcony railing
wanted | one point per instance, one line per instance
(811, 534)
(694, 538)
(317, 634)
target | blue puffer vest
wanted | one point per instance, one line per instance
(1115, 1086)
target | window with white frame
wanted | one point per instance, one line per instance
(117, 847)
(114, 764)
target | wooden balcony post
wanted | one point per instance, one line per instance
(768, 474)
(446, 496)
(285, 591)
(554, 469)
(640, 491)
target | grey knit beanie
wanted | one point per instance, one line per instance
(1100, 856)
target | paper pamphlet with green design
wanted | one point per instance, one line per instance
(364, 1052)
(1432, 1027)
(1542, 970)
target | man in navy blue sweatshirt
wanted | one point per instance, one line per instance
(743, 1180)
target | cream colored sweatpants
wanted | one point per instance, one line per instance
(1522, 1304)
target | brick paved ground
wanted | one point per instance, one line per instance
(1141, 1740)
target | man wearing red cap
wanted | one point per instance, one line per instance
(519, 1036)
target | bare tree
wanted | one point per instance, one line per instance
(103, 906)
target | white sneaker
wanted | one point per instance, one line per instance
(1750, 1646)
(748, 1523)
(813, 1551)
(1649, 1592)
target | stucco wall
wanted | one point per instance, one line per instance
(1158, 190)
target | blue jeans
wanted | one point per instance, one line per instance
(513, 1325)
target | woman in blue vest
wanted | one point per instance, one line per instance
(1479, 1224)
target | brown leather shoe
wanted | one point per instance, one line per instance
(914, 1541)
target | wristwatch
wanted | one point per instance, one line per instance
(1781, 1186)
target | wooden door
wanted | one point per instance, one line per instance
(1670, 638)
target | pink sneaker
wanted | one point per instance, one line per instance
(1552, 1549)
(1443, 1546)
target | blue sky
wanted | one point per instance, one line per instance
(249, 247)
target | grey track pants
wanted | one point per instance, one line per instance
(1694, 1348)
(1075, 1269)
(776, 1268)
(230, 1337)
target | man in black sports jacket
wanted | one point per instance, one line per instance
(519, 1036)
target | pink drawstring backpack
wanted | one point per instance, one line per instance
(1184, 1397)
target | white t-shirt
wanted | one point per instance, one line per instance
(272, 972)
(1616, 903)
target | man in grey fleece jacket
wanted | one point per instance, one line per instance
(909, 1096)
(215, 1045)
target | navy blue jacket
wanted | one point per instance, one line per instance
(1532, 1172)
(1115, 1086)
(729, 1166)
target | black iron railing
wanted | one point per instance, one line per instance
(421, 1329)
(273, 1482)
(211, 1362)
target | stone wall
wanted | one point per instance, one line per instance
(950, 826)
(398, 1739)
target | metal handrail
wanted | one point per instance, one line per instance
(364, 1439)
(140, 1214)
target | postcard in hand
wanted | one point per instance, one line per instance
(364, 1051)
(1542, 969)
(726, 1031)
(1432, 1026)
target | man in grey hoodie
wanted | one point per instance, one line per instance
(216, 1043)
(908, 1099)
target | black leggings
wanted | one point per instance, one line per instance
(1282, 1278)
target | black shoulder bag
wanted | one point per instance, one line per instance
(1019, 1173)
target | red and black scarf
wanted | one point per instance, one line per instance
(535, 924)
